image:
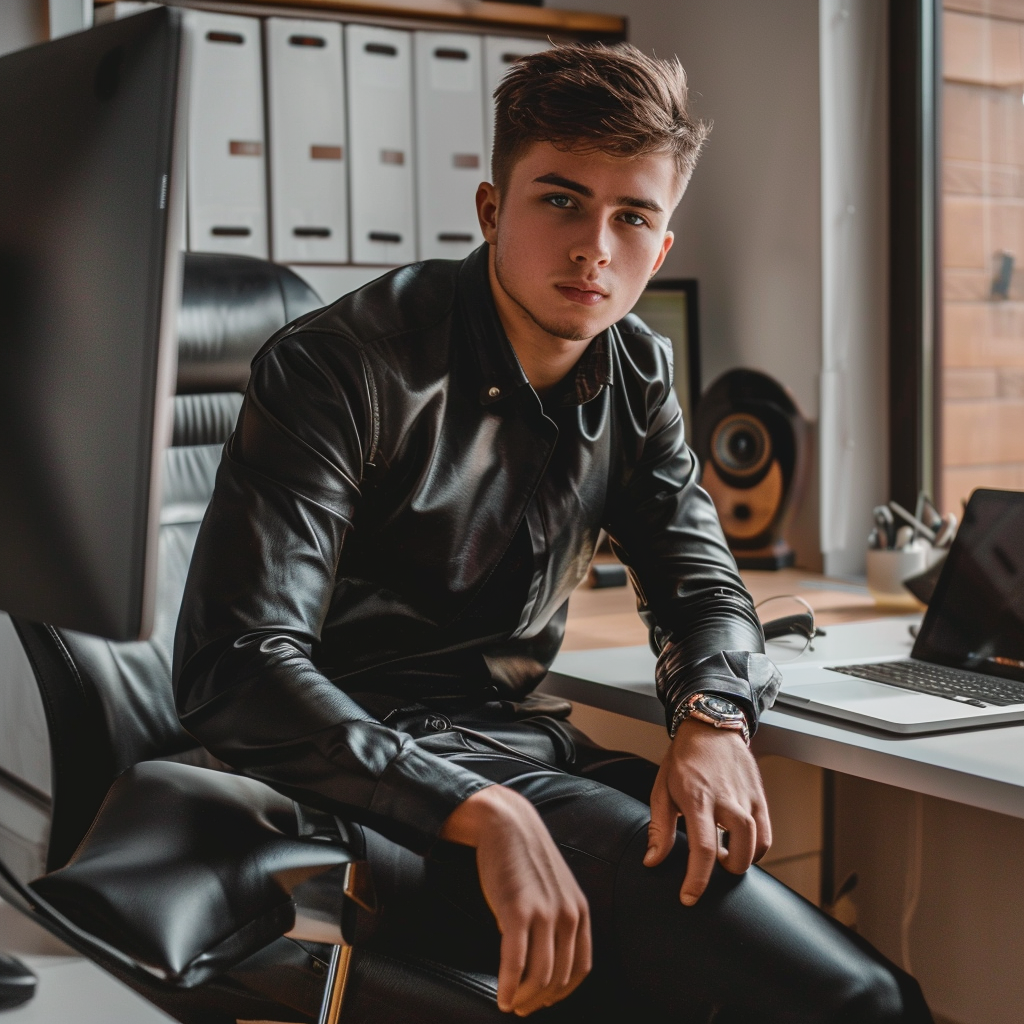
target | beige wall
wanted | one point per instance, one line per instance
(749, 226)
(753, 230)
(853, 431)
(22, 23)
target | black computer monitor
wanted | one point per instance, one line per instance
(90, 223)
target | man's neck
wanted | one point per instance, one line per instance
(545, 359)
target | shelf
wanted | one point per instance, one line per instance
(484, 13)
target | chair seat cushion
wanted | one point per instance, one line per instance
(188, 870)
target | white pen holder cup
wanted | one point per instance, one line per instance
(888, 568)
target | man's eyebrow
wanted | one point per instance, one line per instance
(567, 183)
(640, 204)
(584, 190)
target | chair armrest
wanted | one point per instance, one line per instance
(188, 871)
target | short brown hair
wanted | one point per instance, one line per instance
(582, 97)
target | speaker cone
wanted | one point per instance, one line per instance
(741, 445)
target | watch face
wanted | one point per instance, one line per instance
(719, 706)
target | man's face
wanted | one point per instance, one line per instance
(576, 236)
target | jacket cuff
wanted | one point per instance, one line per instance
(416, 793)
(750, 680)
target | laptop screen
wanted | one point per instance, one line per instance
(976, 617)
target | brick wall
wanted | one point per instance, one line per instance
(983, 216)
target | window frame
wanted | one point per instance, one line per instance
(915, 279)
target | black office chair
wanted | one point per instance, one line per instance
(210, 894)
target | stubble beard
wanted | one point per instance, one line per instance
(565, 330)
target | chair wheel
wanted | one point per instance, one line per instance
(17, 982)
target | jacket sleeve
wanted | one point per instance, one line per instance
(700, 616)
(258, 591)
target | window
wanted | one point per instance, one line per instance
(981, 362)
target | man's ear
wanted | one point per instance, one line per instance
(666, 244)
(487, 203)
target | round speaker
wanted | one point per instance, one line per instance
(752, 441)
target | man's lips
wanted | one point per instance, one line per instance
(584, 296)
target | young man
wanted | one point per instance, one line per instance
(417, 482)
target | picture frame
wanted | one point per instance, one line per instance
(671, 308)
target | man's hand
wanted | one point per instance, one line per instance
(541, 912)
(710, 778)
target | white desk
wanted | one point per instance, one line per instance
(980, 767)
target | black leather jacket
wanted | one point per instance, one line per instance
(398, 518)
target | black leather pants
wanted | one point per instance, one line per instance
(750, 952)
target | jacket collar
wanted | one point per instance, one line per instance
(500, 370)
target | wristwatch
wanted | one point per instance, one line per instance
(716, 711)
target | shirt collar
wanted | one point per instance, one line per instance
(500, 370)
(591, 374)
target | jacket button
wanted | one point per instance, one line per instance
(493, 392)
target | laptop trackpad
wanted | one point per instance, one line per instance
(836, 693)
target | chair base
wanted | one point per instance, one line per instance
(17, 982)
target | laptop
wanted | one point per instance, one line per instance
(966, 667)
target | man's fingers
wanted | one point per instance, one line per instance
(764, 830)
(514, 946)
(742, 840)
(565, 953)
(661, 832)
(534, 988)
(570, 962)
(584, 959)
(578, 946)
(539, 908)
(702, 836)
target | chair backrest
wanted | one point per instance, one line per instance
(108, 704)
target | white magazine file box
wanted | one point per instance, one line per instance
(449, 142)
(382, 219)
(227, 184)
(306, 139)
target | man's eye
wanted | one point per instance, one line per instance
(562, 202)
(635, 219)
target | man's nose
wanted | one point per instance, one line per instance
(592, 247)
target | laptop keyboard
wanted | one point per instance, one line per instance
(940, 681)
